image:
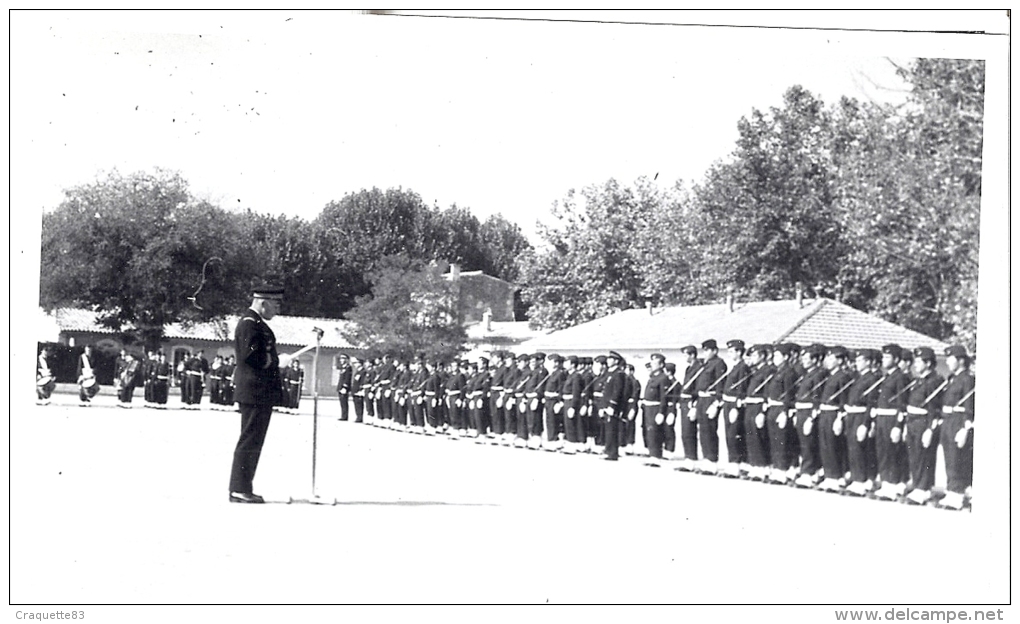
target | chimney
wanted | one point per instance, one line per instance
(800, 295)
(729, 299)
(648, 306)
(454, 271)
(487, 319)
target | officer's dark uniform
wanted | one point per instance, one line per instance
(357, 389)
(687, 406)
(571, 395)
(612, 404)
(216, 382)
(228, 382)
(505, 402)
(924, 407)
(161, 382)
(756, 437)
(384, 390)
(958, 414)
(589, 419)
(343, 391)
(554, 398)
(257, 390)
(807, 399)
(832, 445)
(533, 389)
(779, 401)
(453, 389)
(708, 392)
(369, 388)
(861, 399)
(672, 408)
(654, 410)
(734, 391)
(890, 414)
(629, 436)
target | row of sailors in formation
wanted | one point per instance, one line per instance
(153, 372)
(818, 417)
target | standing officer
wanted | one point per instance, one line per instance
(453, 389)
(653, 405)
(708, 392)
(807, 399)
(505, 402)
(924, 409)
(369, 387)
(216, 381)
(433, 394)
(571, 396)
(343, 386)
(228, 385)
(734, 390)
(958, 427)
(889, 414)
(860, 428)
(554, 402)
(257, 387)
(779, 401)
(533, 389)
(831, 441)
(496, 393)
(686, 408)
(612, 403)
(755, 434)
(629, 432)
(672, 400)
(161, 381)
(357, 389)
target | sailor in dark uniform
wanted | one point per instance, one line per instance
(890, 414)
(755, 434)
(553, 395)
(807, 400)
(161, 381)
(958, 427)
(687, 408)
(734, 390)
(44, 380)
(343, 386)
(612, 403)
(707, 392)
(653, 405)
(861, 399)
(257, 387)
(356, 389)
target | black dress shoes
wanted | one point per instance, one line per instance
(241, 497)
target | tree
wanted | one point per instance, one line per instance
(135, 249)
(503, 244)
(412, 310)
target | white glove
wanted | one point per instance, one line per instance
(733, 415)
(895, 435)
(808, 425)
(759, 421)
(693, 406)
(660, 418)
(871, 430)
(460, 402)
(631, 414)
(557, 407)
(387, 393)
(584, 410)
(521, 407)
(837, 426)
(862, 433)
(419, 401)
(435, 402)
(610, 412)
(926, 438)
(570, 412)
(343, 390)
(692, 414)
(781, 420)
(670, 419)
(499, 403)
(961, 437)
(285, 360)
(534, 404)
(712, 411)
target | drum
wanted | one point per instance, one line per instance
(88, 382)
(44, 380)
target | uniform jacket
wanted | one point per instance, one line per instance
(257, 376)
(959, 386)
(926, 387)
(734, 389)
(708, 380)
(343, 384)
(892, 392)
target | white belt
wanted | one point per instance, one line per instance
(706, 394)
(775, 403)
(917, 411)
(552, 395)
(452, 392)
(686, 396)
(953, 409)
(163, 377)
(856, 409)
(652, 403)
(193, 372)
(754, 400)
(886, 411)
(804, 405)
(825, 407)
(729, 398)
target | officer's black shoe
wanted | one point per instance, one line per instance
(610, 458)
(241, 497)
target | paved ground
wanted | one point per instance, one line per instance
(111, 505)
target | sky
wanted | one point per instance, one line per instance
(283, 112)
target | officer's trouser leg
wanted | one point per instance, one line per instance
(688, 431)
(652, 432)
(669, 431)
(959, 461)
(809, 460)
(734, 419)
(612, 432)
(708, 430)
(498, 425)
(359, 409)
(254, 425)
(779, 439)
(922, 460)
(755, 438)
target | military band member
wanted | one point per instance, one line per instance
(453, 393)
(924, 409)
(215, 380)
(371, 390)
(890, 415)
(161, 381)
(860, 428)
(653, 405)
(589, 419)
(385, 399)
(734, 391)
(553, 395)
(831, 438)
(433, 395)
(497, 373)
(807, 400)
(356, 389)
(44, 380)
(504, 399)
(958, 427)
(87, 385)
(707, 391)
(407, 392)
(148, 365)
(755, 433)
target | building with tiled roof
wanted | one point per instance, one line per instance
(637, 333)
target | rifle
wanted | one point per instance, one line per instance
(936, 393)
(840, 391)
(762, 384)
(696, 375)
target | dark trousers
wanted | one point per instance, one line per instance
(922, 460)
(194, 389)
(344, 405)
(147, 393)
(630, 427)
(612, 436)
(370, 407)
(735, 447)
(254, 425)
(654, 434)
(359, 409)
(522, 419)
(214, 391)
(810, 462)
(891, 457)
(534, 418)
(831, 447)
(688, 429)
(384, 406)
(552, 420)
(860, 454)
(498, 422)
(455, 412)
(779, 438)
(160, 390)
(429, 411)
(708, 430)
(593, 425)
(755, 439)
(959, 461)
(479, 417)
(126, 393)
(509, 417)
(669, 430)
(573, 425)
